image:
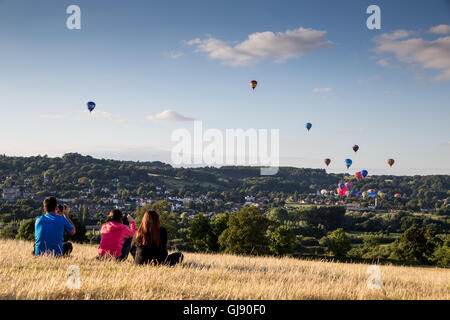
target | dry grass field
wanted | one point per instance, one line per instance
(203, 276)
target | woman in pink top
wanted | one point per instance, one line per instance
(114, 233)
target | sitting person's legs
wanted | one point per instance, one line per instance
(125, 249)
(67, 248)
(174, 258)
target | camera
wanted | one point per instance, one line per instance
(125, 220)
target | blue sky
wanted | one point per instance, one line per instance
(385, 90)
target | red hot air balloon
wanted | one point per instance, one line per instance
(253, 84)
(327, 161)
(390, 162)
(358, 175)
(355, 147)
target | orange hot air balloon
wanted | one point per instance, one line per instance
(327, 161)
(253, 84)
(390, 162)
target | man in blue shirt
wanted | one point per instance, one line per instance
(49, 230)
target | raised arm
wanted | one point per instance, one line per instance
(66, 215)
(132, 229)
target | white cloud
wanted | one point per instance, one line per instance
(322, 90)
(383, 62)
(434, 54)
(279, 46)
(440, 29)
(175, 55)
(396, 35)
(169, 115)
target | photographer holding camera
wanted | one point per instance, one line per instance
(49, 229)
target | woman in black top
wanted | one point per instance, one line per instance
(149, 244)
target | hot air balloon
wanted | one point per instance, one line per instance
(358, 175)
(348, 163)
(342, 191)
(397, 195)
(327, 161)
(323, 192)
(390, 162)
(308, 126)
(365, 194)
(364, 173)
(355, 147)
(90, 106)
(372, 194)
(348, 185)
(253, 84)
(341, 186)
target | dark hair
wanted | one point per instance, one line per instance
(50, 204)
(115, 215)
(125, 220)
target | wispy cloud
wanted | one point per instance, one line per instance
(446, 144)
(322, 89)
(434, 54)
(111, 116)
(440, 29)
(383, 62)
(169, 115)
(52, 116)
(348, 131)
(279, 46)
(175, 55)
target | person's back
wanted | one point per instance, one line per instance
(150, 242)
(49, 230)
(113, 234)
(150, 252)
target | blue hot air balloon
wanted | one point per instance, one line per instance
(90, 106)
(308, 126)
(348, 162)
(372, 194)
(364, 173)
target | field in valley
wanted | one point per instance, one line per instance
(205, 276)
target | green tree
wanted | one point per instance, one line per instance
(282, 241)
(199, 232)
(416, 244)
(246, 232)
(80, 231)
(441, 256)
(26, 230)
(7, 232)
(338, 243)
(278, 214)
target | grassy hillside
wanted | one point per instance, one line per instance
(203, 276)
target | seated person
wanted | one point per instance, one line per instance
(149, 245)
(113, 235)
(127, 242)
(49, 230)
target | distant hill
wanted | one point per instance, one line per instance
(74, 172)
